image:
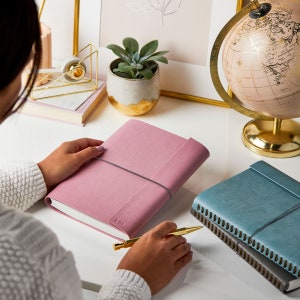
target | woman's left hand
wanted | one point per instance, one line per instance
(67, 159)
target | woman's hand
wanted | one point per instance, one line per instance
(157, 256)
(67, 159)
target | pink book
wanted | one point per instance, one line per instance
(142, 168)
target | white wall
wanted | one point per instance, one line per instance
(59, 15)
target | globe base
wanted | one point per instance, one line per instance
(273, 138)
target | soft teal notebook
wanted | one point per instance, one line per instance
(261, 207)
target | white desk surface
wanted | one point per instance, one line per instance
(215, 272)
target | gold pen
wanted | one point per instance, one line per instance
(179, 231)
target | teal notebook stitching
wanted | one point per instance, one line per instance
(260, 207)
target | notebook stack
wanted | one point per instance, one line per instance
(257, 214)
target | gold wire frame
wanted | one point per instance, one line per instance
(221, 103)
(59, 80)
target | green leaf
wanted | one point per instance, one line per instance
(149, 64)
(116, 50)
(131, 45)
(149, 48)
(149, 57)
(137, 66)
(125, 72)
(123, 65)
(123, 75)
(159, 58)
(147, 73)
(120, 52)
(136, 57)
(161, 52)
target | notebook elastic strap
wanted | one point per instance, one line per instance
(139, 175)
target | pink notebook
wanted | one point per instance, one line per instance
(142, 168)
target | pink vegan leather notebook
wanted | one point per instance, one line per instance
(142, 168)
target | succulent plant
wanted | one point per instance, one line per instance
(137, 63)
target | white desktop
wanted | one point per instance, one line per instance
(215, 272)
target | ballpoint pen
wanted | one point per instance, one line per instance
(179, 231)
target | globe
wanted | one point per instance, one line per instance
(261, 60)
(261, 63)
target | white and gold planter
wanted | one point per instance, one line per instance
(132, 96)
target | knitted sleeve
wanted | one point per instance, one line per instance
(33, 264)
(21, 184)
(125, 285)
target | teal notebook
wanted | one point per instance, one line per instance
(261, 207)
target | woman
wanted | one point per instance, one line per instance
(33, 264)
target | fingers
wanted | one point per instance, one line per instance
(157, 256)
(87, 142)
(181, 249)
(182, 261)
(84, 148)
(164, 228)
(177, 245)
(83, 143)
(89, 153)
(67, 159)
(175, 241)
(181, 253)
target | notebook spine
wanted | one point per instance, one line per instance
(236, 246)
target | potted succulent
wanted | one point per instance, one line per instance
(133, 85)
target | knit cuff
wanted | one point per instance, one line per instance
(39, 185)
(22, 184)
(125, 285)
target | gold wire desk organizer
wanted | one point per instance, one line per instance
(74, 76)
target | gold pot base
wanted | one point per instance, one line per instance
(141, 108)
(259, 137)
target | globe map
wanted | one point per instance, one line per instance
(261, 61)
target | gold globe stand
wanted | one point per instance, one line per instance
(264, 135)
(274, 138)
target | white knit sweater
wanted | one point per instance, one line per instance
(33, 266)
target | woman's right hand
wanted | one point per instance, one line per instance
(157, 256)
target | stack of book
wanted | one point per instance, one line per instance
(69, 104)
(257, 214)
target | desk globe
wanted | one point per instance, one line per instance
(261, 62)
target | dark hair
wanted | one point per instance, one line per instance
(20, 37)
